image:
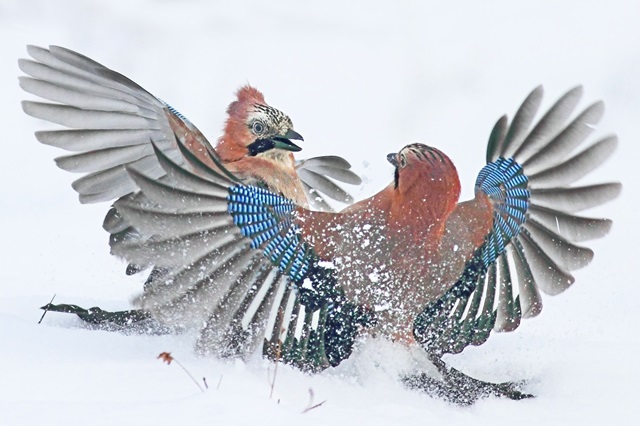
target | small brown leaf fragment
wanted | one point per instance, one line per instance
(166, 357)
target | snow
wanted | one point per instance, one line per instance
(361, 79)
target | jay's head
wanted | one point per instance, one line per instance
(421, 169)
(254, 128)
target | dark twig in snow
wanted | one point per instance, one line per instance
(46, 310)
(311, 406)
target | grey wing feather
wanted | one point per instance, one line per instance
(522, 120)
(316, 201)
(332, 161)
(223, 333)
(559, 147)
(102, 159)
(576, 167)
(318, 175)
(549, 125)
(324, 185)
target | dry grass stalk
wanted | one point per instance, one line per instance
(278, 352)
(168, 358)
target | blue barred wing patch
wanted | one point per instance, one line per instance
(505, 183)
(266, 219)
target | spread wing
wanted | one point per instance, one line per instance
(535, 241)
(229, 260)
(112, 123)
(207, 269)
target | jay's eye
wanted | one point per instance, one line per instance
(403, 160)
(257, 127)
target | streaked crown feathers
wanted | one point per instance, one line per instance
(251, 107)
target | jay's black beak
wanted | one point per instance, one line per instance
(292, 134)
(284, 141)
(393, 159)
(281, 142)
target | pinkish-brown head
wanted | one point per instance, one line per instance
(425, 176)
(253, 128)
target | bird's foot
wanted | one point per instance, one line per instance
(462, 389)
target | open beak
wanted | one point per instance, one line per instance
(393, 159)
(284, 141)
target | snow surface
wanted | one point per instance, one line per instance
(360, 79)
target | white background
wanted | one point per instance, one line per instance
(360, 80)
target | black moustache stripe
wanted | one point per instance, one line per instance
(396, 177)
(260, 145)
